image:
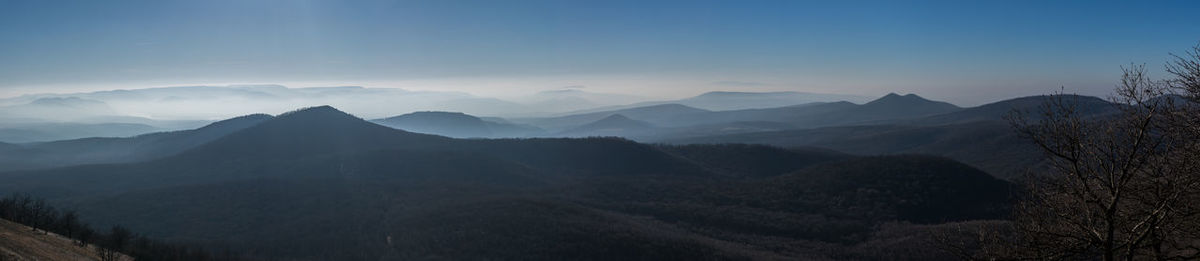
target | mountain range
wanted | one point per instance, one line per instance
(458, 125)
(217, 102)
(125, 113)
(981, 136)
(893, 124)
(822, 180)
(321, 183)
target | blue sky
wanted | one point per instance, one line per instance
(967, 52)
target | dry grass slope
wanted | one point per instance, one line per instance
(18, 242)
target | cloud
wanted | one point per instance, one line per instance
(739, 83)
(574, 87)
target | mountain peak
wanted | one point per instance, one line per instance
(615, 117)
(323, 110)
(893, 98)
(452, 124)
(909, 105)
(317, 117)
(319, 129)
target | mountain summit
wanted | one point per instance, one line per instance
(893, 105)
(893, 99)
(452, 124)
(314, 129)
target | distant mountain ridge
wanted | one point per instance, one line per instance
(118, 150)
(980, 136)
(612, 125)
(679, 119)
(457, 125)
(451, 124)
(733, 100)
(728, 100)
(894, 106)
(662, 114)
(1087, 105)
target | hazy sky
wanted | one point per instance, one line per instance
(962, 51)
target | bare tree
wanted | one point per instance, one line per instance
(68, 224)
(38, 215)
(1121, 187)
(107, 254)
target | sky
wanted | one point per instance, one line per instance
(966, 52)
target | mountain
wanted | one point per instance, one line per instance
(1032, 105)
(988, 145)
(450, 124)
(713, 129)
(505, 129)
(457, 125)
(566, 100)
(57, 118)
(799, 116)
(118, 150)
(729, 100)
(58, 109)
(979, 136)
(40, 132)
(69, 117)
(322, 135)
(887, 109)
(320, 129)
(319, 183)
(216, 102)
(663, 115)
(613, 125)
(725, 100)
(894, 106)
